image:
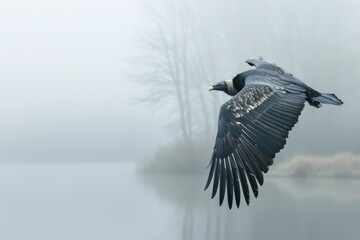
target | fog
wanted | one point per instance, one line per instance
(108, 90)
(65, 88)
(70, 71)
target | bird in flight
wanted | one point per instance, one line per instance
(254, 124)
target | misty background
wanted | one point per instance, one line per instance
(112, 92)
(65, 88)
(72, 73)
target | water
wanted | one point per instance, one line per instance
(111, 201)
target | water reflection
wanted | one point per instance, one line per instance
(341, 190)
(287, 208)
(112, 201)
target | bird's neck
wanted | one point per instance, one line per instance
(239, 81)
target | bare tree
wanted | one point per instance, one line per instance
(178, 58)
(191, 46)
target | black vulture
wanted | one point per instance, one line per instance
(254, 124)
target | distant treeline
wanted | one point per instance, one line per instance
(192, 158)
(180, 157)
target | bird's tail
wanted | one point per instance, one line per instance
(328, 98)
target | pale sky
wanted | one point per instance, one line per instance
(64, 85)
(67, 90)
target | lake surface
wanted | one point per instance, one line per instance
(112, 201)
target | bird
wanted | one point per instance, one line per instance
(253, 126)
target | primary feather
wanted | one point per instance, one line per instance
(253, 126)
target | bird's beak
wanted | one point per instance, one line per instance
(220, 86)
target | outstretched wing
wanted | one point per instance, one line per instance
(253, 127)
(256, 62)
(262, 64)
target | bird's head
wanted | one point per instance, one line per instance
(225, 86)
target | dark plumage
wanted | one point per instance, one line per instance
(254, 124)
